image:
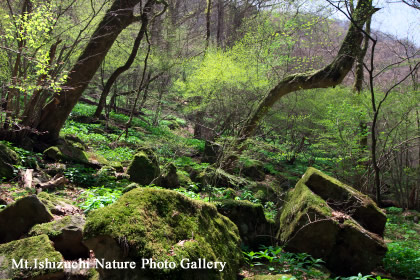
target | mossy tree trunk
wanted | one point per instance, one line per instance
(329, 76)
(117, 18)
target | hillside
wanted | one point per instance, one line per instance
(207, 140)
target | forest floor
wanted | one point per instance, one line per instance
(172, 141)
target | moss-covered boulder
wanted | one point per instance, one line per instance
(8, 158)
(254, 170)
(58, 205)
(211, 151)
(18, 218)
(344, 198)
(218, 177)
(29, 249)
(117, 166)
(144, 167)
(169, 177)
(184, 178)
(67, 235)
(164, 226)
(253, 226)
(308, 223)
(67, 151)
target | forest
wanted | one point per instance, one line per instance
(209, 139)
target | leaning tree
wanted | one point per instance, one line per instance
(46, 114)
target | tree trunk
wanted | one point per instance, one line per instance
(358, 79)
(331, 75)
(55, 113)
(220, 22)
(129, 62)
(208, 15)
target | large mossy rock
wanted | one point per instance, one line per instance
(211, 151)
(8, 158)
(165, 226)
(169, 177)
(29, 249)
(144, 167)
(18, 218)
(67, 235)
(344, 198)
(58, 205)
(67, 151)
(255, 230)
(325, 229)
(217, 177)
(254, 170)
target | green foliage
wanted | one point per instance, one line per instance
(403, 256)
(402, 260)
(301, 265)
(34, 29)
(80, 175)
(361, 277)
(27, 158)
(95, 198)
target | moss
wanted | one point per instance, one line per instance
(249, 217)
(144, 168)
(38, 247)
(344, 198)
(130, 187)
(117, 165)
(231, 203)
(99, 158)
(153, 222)
(301, 201)
(54, 228)
(66, 152)
(229, 193)
(51, 201)
(8, 158)
(184, 179)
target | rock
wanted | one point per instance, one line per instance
(105, 173)
(169, 177)
(37, 247)
(346, 199)
(75, 141)
(8, 158)
(323, 229)
(144, 168)
(58, 205)
(53, 169)
(184, 179)
(218, 177)
(97, 160)
(117, 165)
(130, 187)
(254, 170)
(211, 151)
(266, 192)
(157, 224)
(18, 218)
(67, 151)
(66, 233)
(254, 228)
